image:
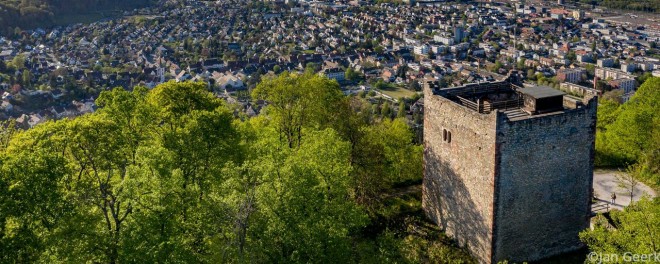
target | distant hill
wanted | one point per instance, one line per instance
(28, 14)
(652, 6)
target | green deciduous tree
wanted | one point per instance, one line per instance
(401, 113)
(147, 164)
(352, 75)
(18, 62)
(170, 175)
(31, 205)
(628, 133)
(386, 110)
(298, 101)
(306, 208)
(27, 78)
(634, 230)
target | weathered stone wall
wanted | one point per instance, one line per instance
(543, 183)
(458, 189)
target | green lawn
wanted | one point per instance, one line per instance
(397, 92)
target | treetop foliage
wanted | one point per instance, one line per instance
(630, 133)
(633, 230)
(171, 175)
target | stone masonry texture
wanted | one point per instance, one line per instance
(508, 190)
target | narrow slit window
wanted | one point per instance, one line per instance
(444, 135)
(448, 137)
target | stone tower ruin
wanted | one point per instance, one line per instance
(508, 170)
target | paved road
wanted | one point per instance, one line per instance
(605, 183)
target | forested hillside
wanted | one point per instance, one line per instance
(173, 175)
(637, 5)
(629, 134)
(27, 14)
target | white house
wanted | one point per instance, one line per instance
(422, 49)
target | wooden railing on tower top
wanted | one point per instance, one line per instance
(486, 107)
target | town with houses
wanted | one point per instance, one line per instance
(379, 50)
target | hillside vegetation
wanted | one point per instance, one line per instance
(172, 175)
(629, 134)
(27, 14)
(637, 5)
(631, 231)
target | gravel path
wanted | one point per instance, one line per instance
(605, 183)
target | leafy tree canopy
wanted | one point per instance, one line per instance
(629, 133)
(631, 231)
(170, 175)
